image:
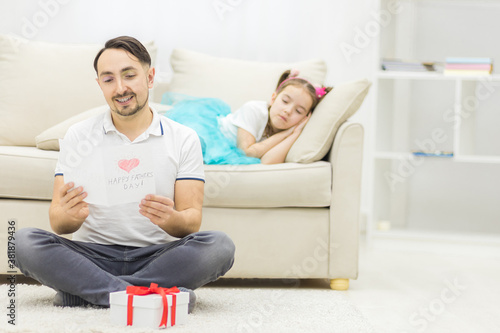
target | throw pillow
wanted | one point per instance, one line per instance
(336, 107)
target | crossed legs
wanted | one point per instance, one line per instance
(92, 271)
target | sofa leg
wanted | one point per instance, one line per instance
(339, 284)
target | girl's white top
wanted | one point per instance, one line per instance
(251, 117)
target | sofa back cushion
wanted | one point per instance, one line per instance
(42, 84)
(234, 81)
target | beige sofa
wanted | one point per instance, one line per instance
(293, 220)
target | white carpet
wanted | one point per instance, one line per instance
(218, 309)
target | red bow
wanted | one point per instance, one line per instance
(153, 289)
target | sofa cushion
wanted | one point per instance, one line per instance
(49, 139)
(44, 83)
(234, 81)
(261, 186)
(336, 107)
(28, 173)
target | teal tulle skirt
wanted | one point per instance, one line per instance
(201, 114)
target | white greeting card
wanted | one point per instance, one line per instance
(109, 175)
(129, 173)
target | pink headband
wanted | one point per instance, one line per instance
(320, 91)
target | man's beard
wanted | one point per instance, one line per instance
(127, 112)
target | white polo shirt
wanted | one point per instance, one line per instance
(177, 155)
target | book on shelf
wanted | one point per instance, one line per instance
(469, 60)
(407, 66)
(437, 153)
(468, 66)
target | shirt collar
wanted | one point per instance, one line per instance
(156, 127)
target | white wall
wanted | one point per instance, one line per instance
(277, 30)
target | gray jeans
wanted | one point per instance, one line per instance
(91, 271)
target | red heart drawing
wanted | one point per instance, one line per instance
(128, 165)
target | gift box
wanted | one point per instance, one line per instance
(152, 307)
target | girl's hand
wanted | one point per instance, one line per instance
(297, 129)
(300, 126)
(290, 131)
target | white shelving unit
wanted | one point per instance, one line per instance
(429, 111)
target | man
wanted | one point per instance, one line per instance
(114, 246)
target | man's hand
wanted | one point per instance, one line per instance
(157, 209)
(68, 209)
(72, 203)
(185, 218)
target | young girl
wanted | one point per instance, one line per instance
(258, 131)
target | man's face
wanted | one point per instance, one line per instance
(124, 81)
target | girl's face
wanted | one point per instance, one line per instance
(289, 107)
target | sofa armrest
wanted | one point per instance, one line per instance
(346, 157)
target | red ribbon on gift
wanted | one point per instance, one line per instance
(153, 289)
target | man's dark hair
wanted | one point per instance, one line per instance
(129, 44)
